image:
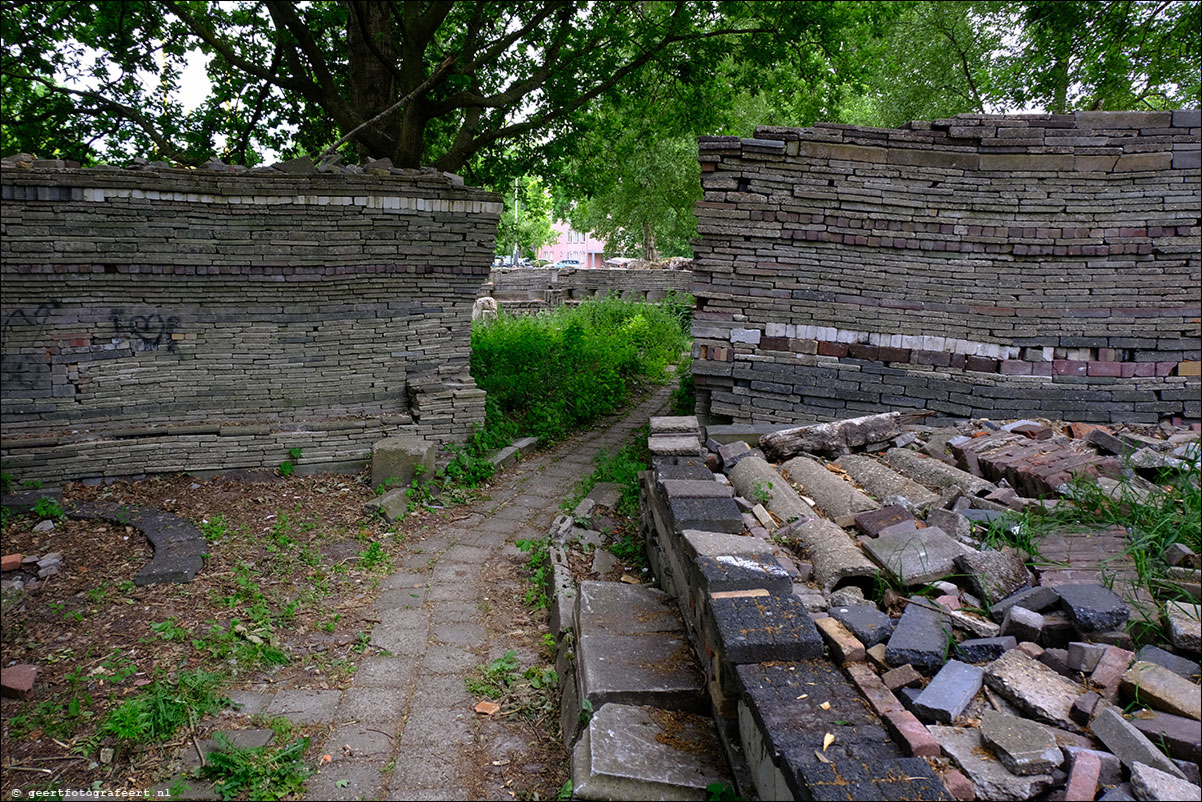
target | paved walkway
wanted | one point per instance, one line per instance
(402, 729)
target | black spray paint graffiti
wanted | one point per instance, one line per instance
(38, 317)
(150, 331)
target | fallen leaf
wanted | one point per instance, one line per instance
(630, 580)
(803, 696)
(488, 708)
(821, 756)
(326, 759)
(827, 740)
(825, 705)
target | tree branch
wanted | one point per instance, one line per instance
(165, 145)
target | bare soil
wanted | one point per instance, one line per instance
(300, 548)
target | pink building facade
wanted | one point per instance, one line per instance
(573, 245)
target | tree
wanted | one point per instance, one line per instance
(528, 224)
(438, 83)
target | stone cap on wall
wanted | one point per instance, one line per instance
(1095, 141)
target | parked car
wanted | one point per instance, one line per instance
(567, 263)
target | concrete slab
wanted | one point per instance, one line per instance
(1034, 688)
(617, 608)
(672, 445)
(1093, 607)
(1156, 686)
(1024, 747)
(712, 514)
(991, 779)
(1184, 622)
(634, 752)
(918, 557)
(1153, 784)
(655, 668)
(396, 460)
(981, 650)
(1127, 743)
(1181, 737)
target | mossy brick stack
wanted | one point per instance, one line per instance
(983, 265)
(529, 289)
(165, 319)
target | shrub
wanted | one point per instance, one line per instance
(552, 373)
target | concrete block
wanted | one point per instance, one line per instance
(1034, 688)
(921, 638)
(396, 460)
(949, 692)
(632, 752)
(1156, 686)
(759, 628)
(869, 625)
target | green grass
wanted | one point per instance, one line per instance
(259, 773)
(495, 679)
(553, 373)
(163, 707)
(1170, 511)
(622, 468)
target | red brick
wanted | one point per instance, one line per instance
(1110, 670)
(863, 351)
(982, 364)
(1165, 368)
(958, 361)
(937, 358)
(894, 355)
(1143, 369)
(17, 681)
(804, 346)
(1083, 779)
(909, 732)
(1105, 369)
(1041, 368)
(844, 646)
(832, 349)
(1069, 367)
(1080, 430)
(1015, 367)
(10, 562)
(881, 698)
(959, 786)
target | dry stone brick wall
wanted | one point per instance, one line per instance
(984, 265)
(163, 320)
(519, 289)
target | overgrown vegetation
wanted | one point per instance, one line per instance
(553, 373)
(623, 468)
(1155, 515)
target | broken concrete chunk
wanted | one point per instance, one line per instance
(1023, 624)
(916, 557)
(1180, 736)
(1036, 599)
(866, 622)
(1127, 743)
(1184, 625)
(1154, 785)
(1023, 746)
(991, 779)
(994, 575)
(1093, 607)
(981, 650)
(1034, 688)
(1084, 657)
(833, 437)
(1156, 686)
(1175, 663)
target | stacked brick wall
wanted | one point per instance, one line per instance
(163, 320)
(982, 265)
(523, 289)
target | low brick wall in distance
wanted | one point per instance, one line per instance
(529, 289)
(161, 320)
(1005, 266)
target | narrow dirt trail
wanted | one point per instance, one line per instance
(405, 729)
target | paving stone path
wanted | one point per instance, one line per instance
(410, 711)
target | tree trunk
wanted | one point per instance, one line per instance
(649, 251)
(372, 55)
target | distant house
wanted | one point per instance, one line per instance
(573, 245)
